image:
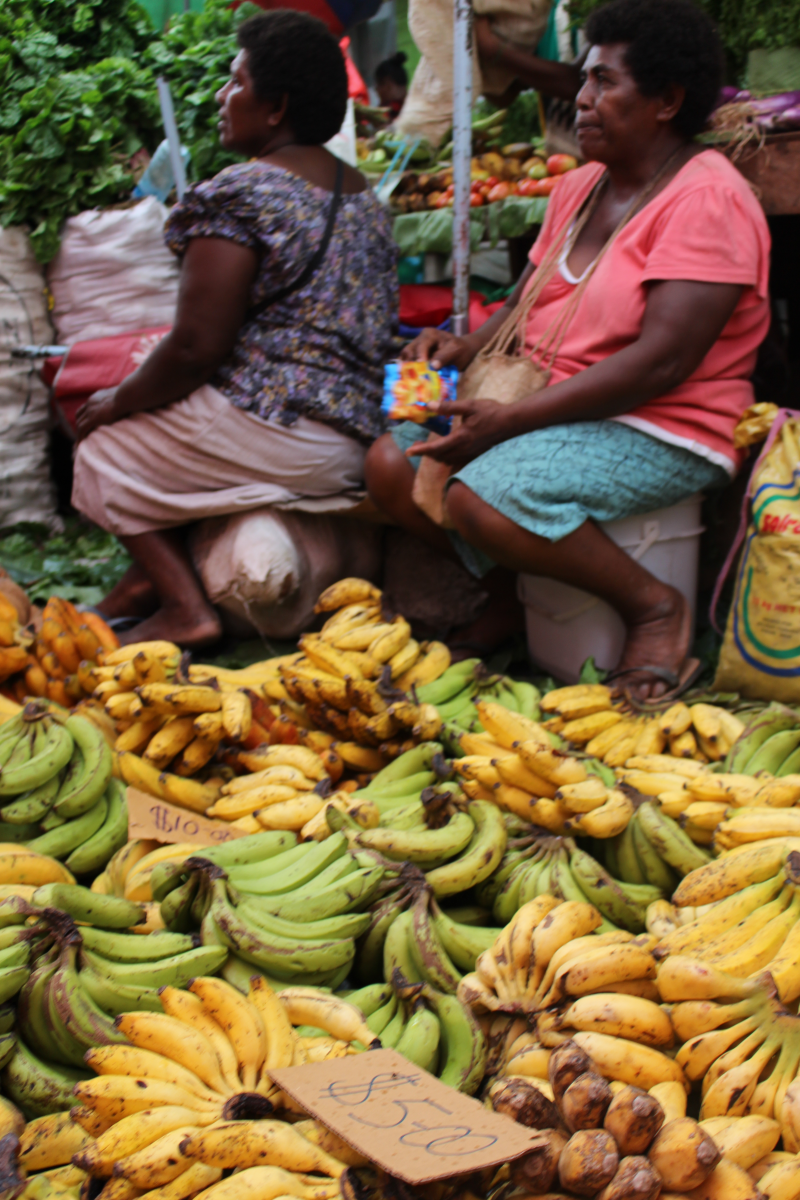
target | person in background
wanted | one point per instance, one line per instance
(267, 389)
(391, 82)
(655, 293)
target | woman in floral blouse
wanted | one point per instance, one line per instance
(267, 389)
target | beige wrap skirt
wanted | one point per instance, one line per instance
(202, 457)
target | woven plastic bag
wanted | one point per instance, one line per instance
(760, 654)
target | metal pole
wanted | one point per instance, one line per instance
(171, 131)
(462, 152)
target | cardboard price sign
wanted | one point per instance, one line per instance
(156, 820)
(402, 1118)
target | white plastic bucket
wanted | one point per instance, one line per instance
(566, 625)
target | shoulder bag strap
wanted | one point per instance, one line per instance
(316, 259)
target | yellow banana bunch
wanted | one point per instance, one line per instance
(606, 821)
(18, 865)
(165, 785)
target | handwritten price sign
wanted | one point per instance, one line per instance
(402, 1118)
(156, 820)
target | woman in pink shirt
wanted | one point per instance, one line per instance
(654, 368)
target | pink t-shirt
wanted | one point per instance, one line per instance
(705, 226)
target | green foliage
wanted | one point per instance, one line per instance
(82, 564)
(78, 99)
(522, 120)
(194, 56)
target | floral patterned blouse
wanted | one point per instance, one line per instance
(318, 353)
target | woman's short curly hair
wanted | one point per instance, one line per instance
(668, 41)
(292, 54)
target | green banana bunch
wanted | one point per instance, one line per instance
(743, 757)
(90, 908)
(632, 858)
(32, 752)
(670, 842)
(37, 1087)
(623, 904)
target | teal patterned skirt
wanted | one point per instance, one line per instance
(552, 480)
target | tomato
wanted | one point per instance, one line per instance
(485, 189)
(476, 200)
(527, 187)
(545, 186)
(559, 164)
(500, 191)
(492, 181)
(444, 201)
(537, 171)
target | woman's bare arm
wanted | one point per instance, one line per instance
(216, 278)
(682, 321)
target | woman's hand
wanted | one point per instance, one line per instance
(99, 409)
(484, 424)
(440, 349)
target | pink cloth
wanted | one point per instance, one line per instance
(705, 226)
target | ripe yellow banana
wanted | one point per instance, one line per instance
(281, 1037)
(651, 739)
(565, 923)
(179, 699)
(593, 973)
(158, 1163)
(726, 1182)
(245, 1144)
(781, 1181)
(629, 1062)
(146, 1064)
(610, 819)
(348, 592)
(237, 715)
(169, 741)
(553, 765)
(305, 759)
(269, 1183)
(622, 1016)
(404, 659)
(672, 1098)
(125, 860)
(134, 1133)
(189, 1009)
(584, 797)
(778, 793)
(553, 700)
(190, 1183)
(705, 814)
(187, 1045)
(757, 953)
(117, 1096)
(743, 1140)
(721, 916)
(137, 736)
(308, 1006)
(684, 745)
(239, 1020)
(717, 948)
(723, 876)
(676, 720)
(514, 772)
(653, 783)
(21, 866)
(507, 727)
(433, 663)
(582, 729)
(683, 978)
(605, 741)
(50, 1141)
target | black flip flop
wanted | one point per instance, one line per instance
(678, 684)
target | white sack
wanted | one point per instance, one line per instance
(265, 569)
(26, 491)
(113, 273)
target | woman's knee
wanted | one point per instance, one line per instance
(385, 468)
(470, 515)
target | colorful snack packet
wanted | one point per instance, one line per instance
(411, 390)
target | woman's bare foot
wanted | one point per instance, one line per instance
(659, 637)
(190, 628)
(133, 596)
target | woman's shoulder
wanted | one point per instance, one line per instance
(574, 186)
(710, 175)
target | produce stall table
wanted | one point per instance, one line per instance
(774, 171)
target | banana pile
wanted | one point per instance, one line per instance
(13, 656)
(285, 788)
(552, 951)
(56, 790)
(53, 664)
(186, 1096)
(270, 905)
(457, 690)
(623, 1141)
(739, 915)
(431, 1028)
(587, 715)
(537, 864)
